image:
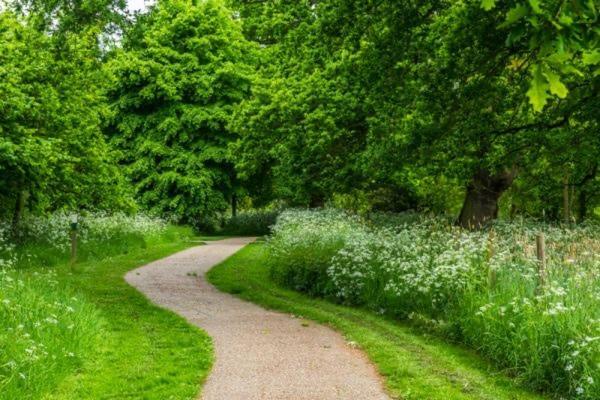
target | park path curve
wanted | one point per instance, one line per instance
(260, 354)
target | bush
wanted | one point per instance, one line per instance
(480, 288)
(251, 223)
(45, 241)
(303, 244)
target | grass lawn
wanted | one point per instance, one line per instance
(415, 365)
(143, 352)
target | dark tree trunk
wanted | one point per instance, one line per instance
(316, 201)
(481, 202)
(566, 201)
(583, 193)
(582, 205)
(18, 211)
(234, 205)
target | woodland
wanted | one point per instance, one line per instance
(475, 109)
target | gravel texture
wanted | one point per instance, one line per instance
(260, 354)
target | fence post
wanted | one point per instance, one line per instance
(541, 255)
(490, 254)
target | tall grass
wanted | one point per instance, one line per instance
(479, 288)
(46, 331)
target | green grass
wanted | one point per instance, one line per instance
(141, 351)
(414, 365)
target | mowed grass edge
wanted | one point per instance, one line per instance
(145, 352)
(414, 365)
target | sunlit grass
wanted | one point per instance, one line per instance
(415, 366)
(486, 288)
(97, 337)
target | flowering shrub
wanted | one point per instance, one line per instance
(303, 244)
(45, 241)
(54, 229)
(7, 254)
(482, 288)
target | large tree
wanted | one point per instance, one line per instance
(413, 94)
(176, 80)
(52, 151)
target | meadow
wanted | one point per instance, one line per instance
(482, 289)
(79, 331)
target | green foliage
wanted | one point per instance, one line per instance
(252, 222)
(561, 39)
(174, 87)
(482, 289)
(68, 333)
(51, 147)
(413, 366)
(300, 260)
(358, 97)
(47, 333)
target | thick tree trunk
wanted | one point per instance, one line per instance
(481, 202)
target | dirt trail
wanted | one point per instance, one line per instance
(260, 354)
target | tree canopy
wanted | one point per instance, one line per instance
(174, 88)
(477, 108)
(52, 150)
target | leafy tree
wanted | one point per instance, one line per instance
(62, 16)
(52, 151)
(433, 92)
(176, 82)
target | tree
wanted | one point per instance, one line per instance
(52, 151)
(176, 82)
(462, 92)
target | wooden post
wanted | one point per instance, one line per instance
(73, 247)
(490, 254)
(541, 255)
(74, 222)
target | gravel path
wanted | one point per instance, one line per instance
(260, 354)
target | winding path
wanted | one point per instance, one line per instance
(260, 354)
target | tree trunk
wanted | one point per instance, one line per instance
(481, 202)
(566, 202)
(18, 211)
(583, 193)
(316, 201)
(582, 205)
(234, 205)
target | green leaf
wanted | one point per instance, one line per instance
(538, 89)
(569, 69)
(488, 4)
(535, 6)
(556, 86)
(515, 14)
(591, 57)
